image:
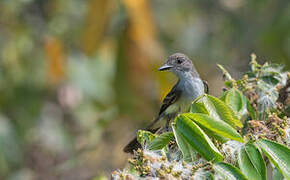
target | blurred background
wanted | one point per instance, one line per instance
(78, 78)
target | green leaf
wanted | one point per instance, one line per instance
(197, 139)
(160, 141)
(228, 172)
(251, 162)
(188, 153)
(271, 68)
(219, 110)
(276, 175)
(244, 113)
(213, 135)
(144, 137)
(251, 110)
(228, 84)
(278, 154)
(223, 96)
(270, 80)
(216, 125)
(198, 107)
(237, 102)
(234, 100)
(265, 87)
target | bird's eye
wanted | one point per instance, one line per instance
(179, 61)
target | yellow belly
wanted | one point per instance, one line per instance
(178, 107)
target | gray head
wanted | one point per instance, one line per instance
(179, 64)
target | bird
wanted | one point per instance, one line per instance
(188, 87)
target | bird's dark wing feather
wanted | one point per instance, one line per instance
(170, 98)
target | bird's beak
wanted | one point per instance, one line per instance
(165, 67)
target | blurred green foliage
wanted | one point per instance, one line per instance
(78, 77)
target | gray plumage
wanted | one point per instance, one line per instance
(179, 99)
(188, 87)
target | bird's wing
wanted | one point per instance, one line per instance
(206, 89)
(174, 95)
(170, 98)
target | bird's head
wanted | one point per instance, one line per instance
(177, 63)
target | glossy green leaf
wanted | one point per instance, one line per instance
(234, 100)
(160, 141)
(223, 96)
(251, 110)
(188, 153)
(278, 154)
(237, 102)
(219, 110)
(276, 175)
(197, 139)
(228, 172)
(216, 125)
(198, 107)
(271, 80)
(213, 135)
(251, 162)
(144, 137)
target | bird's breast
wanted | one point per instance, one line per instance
(192, 89)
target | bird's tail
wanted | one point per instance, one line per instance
(134, 144)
